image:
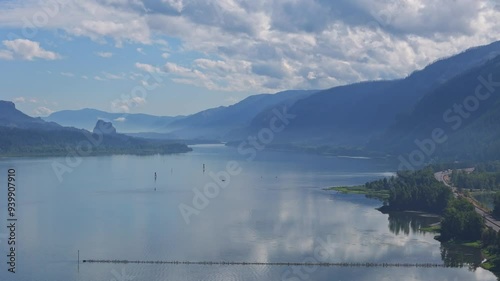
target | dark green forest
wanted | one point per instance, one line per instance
(475, 136)
(461, 222)
(496, 204)
(486, 176)
(31, 142)
(418, 191)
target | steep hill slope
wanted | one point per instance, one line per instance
(13, 118)
(22, 135)
(216, 123)
(466, 109)
(353, 114)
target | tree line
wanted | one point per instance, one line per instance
(414, 190)
(479, 179)
(33, 142)
(420, 191)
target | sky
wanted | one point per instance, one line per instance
(177, 57)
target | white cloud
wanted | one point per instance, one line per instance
(176, 69)
(214, 75)
(120, 119)
(140, 51)
(135, 76)
(104, 54)
(99, 78)
(124, 105)
(19, 100)
(26, 99)
(67, 74)
(264, 45)
(134, 30)
(26, 50)
(111, 76)
(147, 67)
(6, 55)
(177, 5)
(43, 111)
(119, 107)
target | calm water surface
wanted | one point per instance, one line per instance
(274, 211)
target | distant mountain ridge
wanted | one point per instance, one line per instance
(216, 123)
(349, 115)
(352, 115)
(378, 116)
(13, 118)
(22, 135)
(124, 122)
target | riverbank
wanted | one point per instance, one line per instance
(325, 150)
(490, 258)
(165, 149)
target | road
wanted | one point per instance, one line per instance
(488, 219)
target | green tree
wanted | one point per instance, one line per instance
(461, 222)
(496, 202)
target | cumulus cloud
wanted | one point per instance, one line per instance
(264, 45)
(6, 55)
(43, 111)
(177, 5)
(133, 31)
(124, 105)
(428, 17)
(19, 100)
(26, 99)
(176, 69)
(25, 49)
(318, 44)
(277, 70)
(147, 67)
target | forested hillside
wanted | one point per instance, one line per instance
(466, 109)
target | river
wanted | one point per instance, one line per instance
(269, 209)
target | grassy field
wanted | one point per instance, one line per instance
(436, 228)
(361, 189)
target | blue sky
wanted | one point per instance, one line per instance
(176, 57)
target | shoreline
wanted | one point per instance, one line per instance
(433, 228)
(94, 154)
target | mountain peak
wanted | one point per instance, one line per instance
(4, 105)
(104, 127)
(12, 117)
